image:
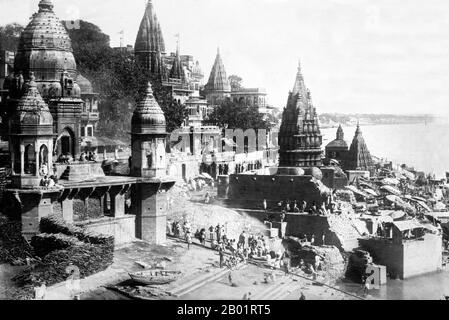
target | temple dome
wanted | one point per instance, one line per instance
(45, 48)
(32, 115)
(148, 117)
(84, 84)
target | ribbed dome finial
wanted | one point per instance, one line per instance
(32, 80)
(45, 5)
(149, 90)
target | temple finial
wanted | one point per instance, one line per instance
(149, 90)
(45, 5)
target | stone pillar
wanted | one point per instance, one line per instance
(149, 207)
(34, 207)
(22, 159)
(37, 163)
(105, 203)
(13, 160)
(117, 205)
(67, 210)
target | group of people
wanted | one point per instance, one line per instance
(48, 182)
(90, 156)
(65, 158)
(293, 207)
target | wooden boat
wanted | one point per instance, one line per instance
(140, 293)
(155, 277)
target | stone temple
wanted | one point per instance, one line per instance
(299, 174)
(43, 130)
(300, 137)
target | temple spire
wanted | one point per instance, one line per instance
(299, 86)
(218, 80)
(300, 136)
(177, 71)
(45, 5)
(150, 45)
(340, 133)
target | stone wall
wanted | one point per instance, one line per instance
(386, 253)
(408, 259)
(334, 179)
(338, 231)
(255, 188)
(122, 228)
(422, 257)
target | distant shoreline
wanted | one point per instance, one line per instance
(335, 126)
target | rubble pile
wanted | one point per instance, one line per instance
(346, 230)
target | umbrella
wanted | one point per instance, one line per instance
(391, 190)
(207, 176)
(397, 215)
(356, 191)
(400, 203)
(365, 185)
(393, 198)
(391, 181)
(371, 192)
(408, 174)
(424, 206)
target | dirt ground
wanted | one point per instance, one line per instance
(196, 264)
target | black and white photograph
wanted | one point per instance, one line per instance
(240, 151)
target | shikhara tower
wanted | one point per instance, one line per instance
(150, 46)
(218, 87)
(300, 137)
(359, 157)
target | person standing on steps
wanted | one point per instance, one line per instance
(221, 254)
(230, 278)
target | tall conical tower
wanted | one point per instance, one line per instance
(359, 157)
(300, 137)
(150, 46)
(218, 87)
(177, 71)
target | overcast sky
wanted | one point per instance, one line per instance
(358, 56)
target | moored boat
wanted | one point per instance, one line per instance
(155, 277)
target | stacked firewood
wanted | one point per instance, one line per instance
(67, 250)
(14, 249)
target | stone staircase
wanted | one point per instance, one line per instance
(280, 291)
(199, 281)
(345, 230)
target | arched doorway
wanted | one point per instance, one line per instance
(65, 145)
(30, 160)
(43, 160)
